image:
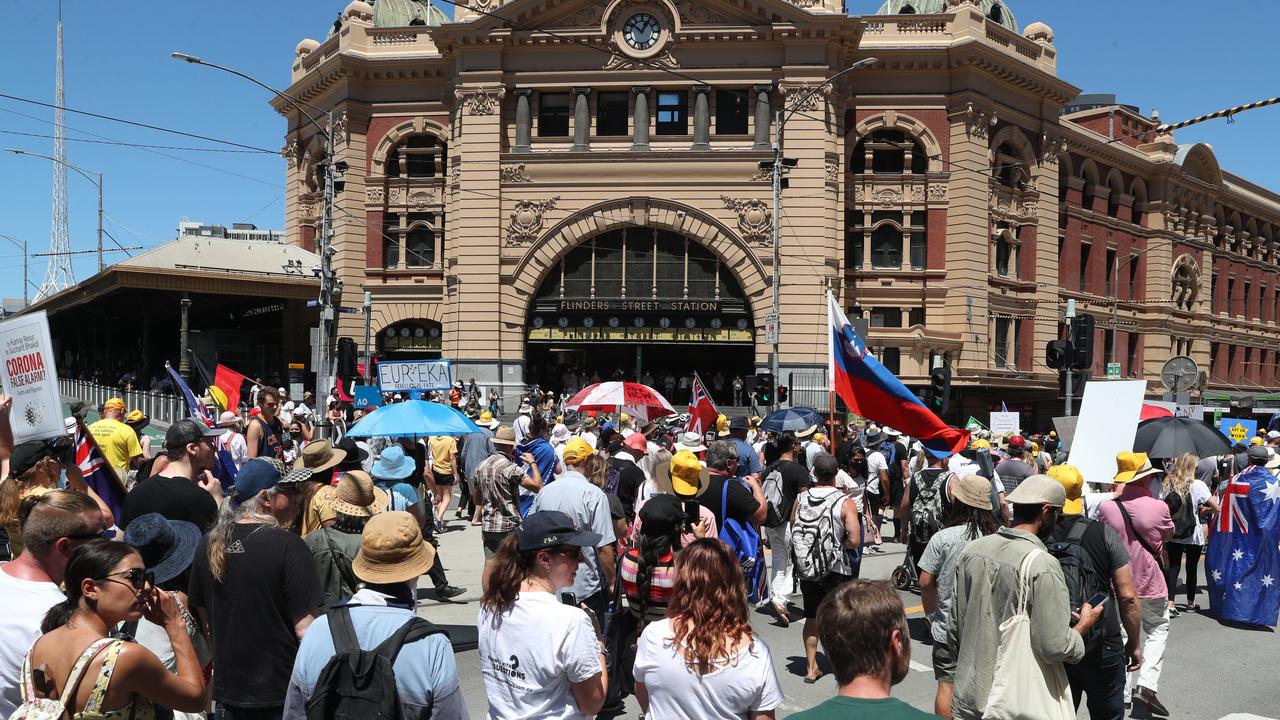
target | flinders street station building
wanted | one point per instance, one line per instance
(539, 187)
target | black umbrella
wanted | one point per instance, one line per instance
(1167, 437)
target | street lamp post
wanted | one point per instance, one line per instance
(88, 175)
(780, 120)
(328, 279)
(25, 262)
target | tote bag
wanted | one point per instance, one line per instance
(1024, 687)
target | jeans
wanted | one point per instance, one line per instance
(781, 579)
(1155, 635)
(1101, 676)
(1176, 551)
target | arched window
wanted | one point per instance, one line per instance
(886, 246)
(1088, 173)
(907, 10)
(1007, 251)
(889, 152)
(1115, 183)
(420, 156)
(1009, 170)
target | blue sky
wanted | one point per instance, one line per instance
(1185, 58)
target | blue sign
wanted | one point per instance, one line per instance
(1238, 430)
(367, 396)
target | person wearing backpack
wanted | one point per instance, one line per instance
(372, 657)
(1186, 497)
(1094, 560)
(737, 502)
(782, 482)
(929, 503)
(826, 541)
(334, 548)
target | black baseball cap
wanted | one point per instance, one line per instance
(549, 528)
(186, 431)
(741, 422)
(662, 515)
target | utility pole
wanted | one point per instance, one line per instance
(1071, 315)
(100, 263)
(368, 317)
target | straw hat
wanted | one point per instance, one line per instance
(1131, 466)
(392, 550)
(319, 456)
(506, 435)
(357, 496)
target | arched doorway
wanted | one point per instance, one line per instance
(640, 303)
(410, 340)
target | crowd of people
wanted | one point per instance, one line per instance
(622, 558)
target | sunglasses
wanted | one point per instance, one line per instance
(137, 578)
(574, 554)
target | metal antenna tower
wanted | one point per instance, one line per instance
(59, 275)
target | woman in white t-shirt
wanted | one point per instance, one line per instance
(541, 655)
(703, 661)
(1182, 480)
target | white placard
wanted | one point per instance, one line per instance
(405, 375)
(1004, 422)
(1108, 422)
(31, 378)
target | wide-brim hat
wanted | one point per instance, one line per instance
(393, 464)
(690, 441)
(357, 496)
(807, 431)
(689, 477)
(167, 546)
(1131, 467)
(873, 440)
(974, 491)
(356, 455)
(488, 420)
(559, 434)
(392, 550)
(1273, 460)
(505, 435)
(318, 456)
(228, 419)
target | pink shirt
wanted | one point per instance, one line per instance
(1151, 518)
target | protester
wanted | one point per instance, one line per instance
(391, 556)
(540, 657)
(969, 518)
(683, 469)
(587, 506)
(187, 490)
(724, 493)
(1189, 538)
(265, 436)
(314, 494)
(476, 448)
(703, 661)
(544, 456)
(255, 590)
(878, 483)
(333, 548)
(1009, 573)
(630, 477)
(864, 632)
(117, 441)
(1103, 567)
(233, 440)
(1144, 524)
(784, 479)
(521, 424)
(444, 470)
(926, 502)
(827, 539)
(107, 584)
(1014, 470)
(748, 461)
(34, 470)
(597, 471)
(53, 525)
(390, 471)
(496, 485)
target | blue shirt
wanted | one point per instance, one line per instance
(425, 669)
(544, 456)
(748, 460)
(403, 496)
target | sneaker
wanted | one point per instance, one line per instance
(445, 592)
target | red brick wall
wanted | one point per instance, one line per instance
(379, 126)
(307, 237)
(373, 240)
(937, 240)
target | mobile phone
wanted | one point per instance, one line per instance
(1099, 599)
(692, 514)
(568, 598)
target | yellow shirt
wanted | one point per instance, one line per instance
(118, 442)
(319, 511)
(443, 448)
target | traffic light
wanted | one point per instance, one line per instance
(1082, 342)
(782, 394)
(1058, 354)
(764, 388)
(939, 393)
(346, 357)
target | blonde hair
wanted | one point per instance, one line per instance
(1182, 473)
(595, 468)
(14, 487)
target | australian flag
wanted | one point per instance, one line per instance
(1243, 560)
(97, 473)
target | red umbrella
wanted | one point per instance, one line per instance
(635, 399)
(1150, 411)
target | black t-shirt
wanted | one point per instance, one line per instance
(270, 580)
(630, 478)
(741, 502)
(176, 498)
(419, 454)
(794, 480)
(1107, 558)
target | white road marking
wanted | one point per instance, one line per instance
(920, 668)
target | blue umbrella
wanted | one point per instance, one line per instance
(791, 420)
(413, 418)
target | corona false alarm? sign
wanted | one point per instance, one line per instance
(30, 378)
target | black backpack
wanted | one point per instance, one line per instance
(361, 684)
(1083, 582)
(1183, 514)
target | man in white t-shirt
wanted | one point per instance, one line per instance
(877, 485)
(59, 522)
(521, 423)
(233, 440)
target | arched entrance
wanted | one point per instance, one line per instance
(640, 303)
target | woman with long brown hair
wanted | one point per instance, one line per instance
(34, 469)
(1181, 479)
(703, 661)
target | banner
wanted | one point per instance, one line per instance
(972, 424)
(31, 378)
(1107, 424)
(1238, 430)
(1005, 422)
(405, 375)
(367, 397)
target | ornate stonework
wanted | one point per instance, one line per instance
(801, 96)
(513, 174)
(527, 220)
(618, 61)
(937, 192)
(695, 13)
(421, 199)
(341, 129)
(374, 195)
(755, 220)
(480, 101)
(888, 198)
(587, 17)
(978, 122)
(290, 154)
(833, 171)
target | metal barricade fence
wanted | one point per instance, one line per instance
(160, 407)
(808, 389)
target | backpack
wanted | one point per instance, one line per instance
(361, 684)
(612, 476)
(772, 489)
(1183, 513)
(928, 505)
(1083, 582)
(744, 542)
(814, 548)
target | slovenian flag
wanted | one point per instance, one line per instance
(873, 392)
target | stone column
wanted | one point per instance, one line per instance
(524, 122)
(764, 115)
(184, 330)
(701, 118)
(641, 119)
(581, 120)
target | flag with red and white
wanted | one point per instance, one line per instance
(97, 473)
(702, 412)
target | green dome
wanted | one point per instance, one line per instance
(402, 13)
(996, 10)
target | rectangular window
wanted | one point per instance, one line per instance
(1213, 295)
(915, 316)
(890, 317)
(1231, 364)
(1133, 276)
(1109, 345)
(391, 241)
(854, 240)
(553, 115)
(612, 110)
(891, 358)
(1275, 307)
(1262, 304)
(673, 113)
(919, 238)
(1231, 296)
(731, 112)
(1246, 302)
(1084, 266)
(1002, 342)
(1111, 276)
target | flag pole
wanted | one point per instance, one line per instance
(831, 375)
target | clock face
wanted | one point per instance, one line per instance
(641, 31)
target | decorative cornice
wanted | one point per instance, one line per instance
(513, 174)
(802, 97)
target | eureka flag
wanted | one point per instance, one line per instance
(873, 392)
(1243, 559)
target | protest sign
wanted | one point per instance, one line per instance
(1238, 430)
(406, 375)
(1107, 424)
(1004, 422)
(31, 378)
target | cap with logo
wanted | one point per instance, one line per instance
(186, 431)
(550, 528)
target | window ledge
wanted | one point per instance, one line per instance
(1012, 283)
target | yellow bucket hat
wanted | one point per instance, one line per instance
(1073, 483)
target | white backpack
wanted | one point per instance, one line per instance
(815, 547)
(772, 490)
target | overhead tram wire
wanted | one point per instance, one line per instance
(133, 145)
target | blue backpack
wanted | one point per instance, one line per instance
(744, 542)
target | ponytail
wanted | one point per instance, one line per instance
(510, 568)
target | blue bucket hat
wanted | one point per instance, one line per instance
(393, 464)
(167, 546)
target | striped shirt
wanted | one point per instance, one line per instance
(661, 579)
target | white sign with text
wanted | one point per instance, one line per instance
(1004, 422)
(30, 378)
(405, 375)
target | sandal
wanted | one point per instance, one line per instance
(812, 680)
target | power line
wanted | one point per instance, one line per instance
(134, 145)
